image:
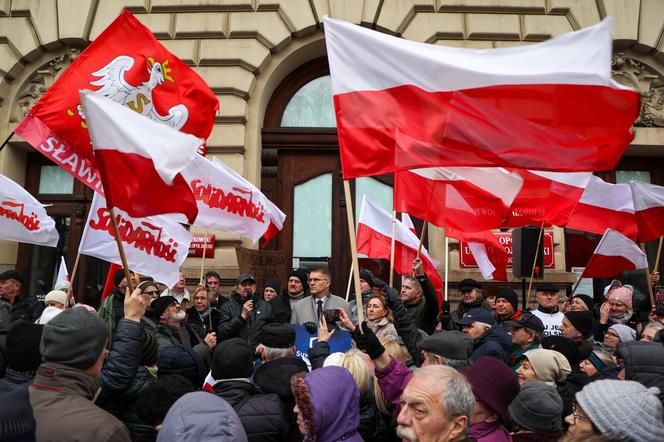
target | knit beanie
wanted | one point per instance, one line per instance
(274, 285)
(549, 365)
(160, 305)
(537, 407)
(573, 351)
(300, 274)
(232, 359)
(493, 383)
(582, 321)
(56, 296)
(587, 300)
(75, 337)
(23, 346)
(622, 295)
(367, 276)
(182, 360)
(511, 297)
(626, 334)
(623, 410)
(118, 277)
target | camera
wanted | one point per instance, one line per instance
(331, 315)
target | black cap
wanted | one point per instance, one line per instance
(12, 274)
(449, 344)
(584, 322)
(527, 320)
(547, 287)
(379, 283)
(477, 315)
(367, 276)
(468, 284)
(277, 335)
(586, 299)
(160, 304)
(245, 277)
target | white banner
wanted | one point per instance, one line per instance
(23, 218)
(227, 201)
(155, 246)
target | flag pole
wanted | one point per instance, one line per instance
(576, 285)
(203, 259)
(353, 250)
(651, 295)
(532, 272)
(424, 230)
(659, 254)
(447, 261)
(4, 143)
(116, 233)
(350, 280)
(70, 292)
(394, 233)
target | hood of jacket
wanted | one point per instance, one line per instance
(644, 363)
(495, 334)
(54, 376)
(275, 376)
(234, 390)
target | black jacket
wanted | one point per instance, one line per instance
(202, 326)
(405, 325)
(425, 311)
(261, 414)
(274, 377)
(644, 363)
(495, 342)
(281, 309)
(567, 389)
(233, 325)
(26, 307)
(17, 423)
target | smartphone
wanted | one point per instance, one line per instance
(659, 300)
(331, 315)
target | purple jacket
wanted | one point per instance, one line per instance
(489, 432)
(392, 380)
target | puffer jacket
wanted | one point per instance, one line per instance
(494, 342)
(233, 325)
(261, 415)
(17, 423)
(644, 363)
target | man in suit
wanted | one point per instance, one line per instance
(310, 308)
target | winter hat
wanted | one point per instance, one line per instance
(623, 410)
(201, 416)
(335, 359)
(232, 359)
(582, 321)
(276, 335)
(75, 337)
(23, 346)
(626, 334)
(160, 305)
(182, 360)
(149, 349)
(300, 274)
(274, 285)
(366, 275)
(537, 407)
(56, 296)
(550, 366)
(49, 313)
(574, 352)
(511, 297)
(622, 295)
(118, 277)
(493, 383)
(587, 300)
(449, 344)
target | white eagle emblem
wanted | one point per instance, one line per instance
(113, 85)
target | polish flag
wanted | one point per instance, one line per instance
(140, 160)
(405, 219)
(649, 206)
(548, 197)
(490, 256)
(469, 199)
(614, 254)
(605, 206)
(63, 273)
(547, 106)
(374, 239)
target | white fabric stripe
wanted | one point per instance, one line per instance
(609, 196)
(614, 243)
(365, 60)
(116, 127)
(646, 196)
(494, 180)
(575, 179)
(482, 259)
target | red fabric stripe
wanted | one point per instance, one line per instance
(110, 283)
(271, 232)
(603, 266)
(651, 223)
(540, 126)
(597, 219)
(495, 252)
(132, 184)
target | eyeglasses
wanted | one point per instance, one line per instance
(577, 416)
(151, 292)
(615, 304)
(613, 335)
(317, 280)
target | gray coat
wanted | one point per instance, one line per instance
(304, 311)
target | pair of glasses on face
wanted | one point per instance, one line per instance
(577, 416)
(151, 292)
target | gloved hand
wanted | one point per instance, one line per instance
(366, 340)
(311, 327)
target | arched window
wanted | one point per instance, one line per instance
(311, 106)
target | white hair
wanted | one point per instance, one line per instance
(457, 396)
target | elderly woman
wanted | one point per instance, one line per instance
(599, 365)
(616, 334)
(579, 303)
(616, 310)
(379, 319)
(650, 330)
(544, 365)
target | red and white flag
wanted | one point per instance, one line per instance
(547, 106)
(469, 199)
(614, 254)
(127, 64)
(139, 160)
(605, 206)
(155, 246)
(649, 205)
(63, 273)
(408, 222)
(374, 239)
(490, 256)
(23, 218)
(228, 202)
(548, 197)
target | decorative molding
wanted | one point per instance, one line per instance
(632, 72)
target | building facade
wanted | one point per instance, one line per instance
(265, 60)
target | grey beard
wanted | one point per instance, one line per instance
(406, 433)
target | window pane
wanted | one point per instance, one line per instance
(625, 176)
(311, 106)
(312, 218)
(376, 191)
(54, 180)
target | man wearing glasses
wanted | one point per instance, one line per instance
(311, 307)
(547, 310)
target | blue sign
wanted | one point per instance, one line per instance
(340, 341)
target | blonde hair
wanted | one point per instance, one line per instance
(201, 288)
(389, 315)
(395, 350)
(355, 362)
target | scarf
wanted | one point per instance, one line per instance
(465, 307)
(622, 318)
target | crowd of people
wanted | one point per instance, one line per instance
(174, 365)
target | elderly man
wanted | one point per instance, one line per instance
(179, 292)
(310, 308)
(451, 348)
(436, 405)
(22, 305)
(507, 306)
(245, 314)
(547, 309)
(489, 338)
(526, 335)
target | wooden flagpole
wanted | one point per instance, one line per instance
(576, 285)
(532, 272)
(651, 295)
(659, 254)
(72, 277)
(447, 262)
(4, 143)
(118, 240)
(424, 231)
(394, 233)
(203, 258)
(350, 280)
(353, 250)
